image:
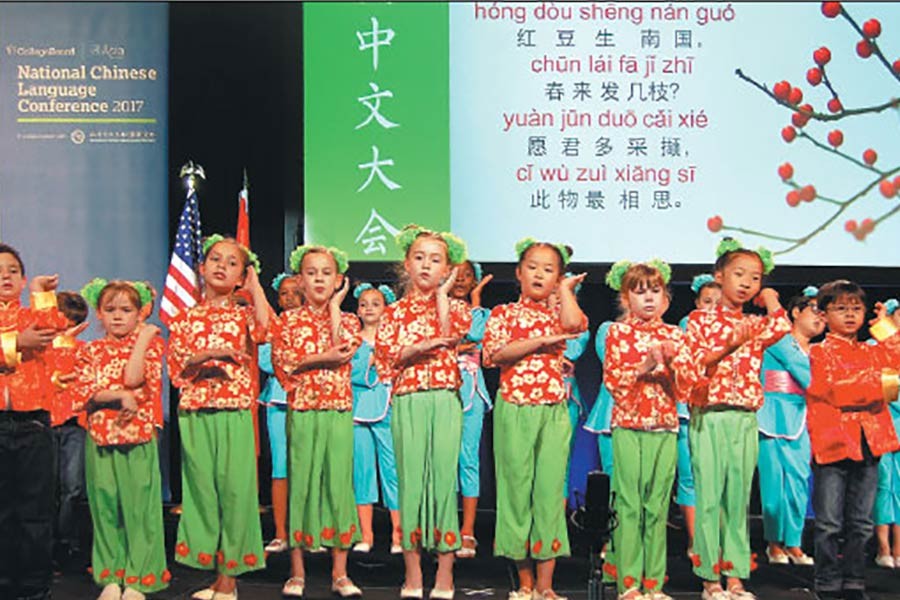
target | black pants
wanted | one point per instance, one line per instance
(27, 482)
(843, 497)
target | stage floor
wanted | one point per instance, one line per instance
(379, 574)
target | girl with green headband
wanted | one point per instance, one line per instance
(527, 339)
(210, 362)
(119, 386)
(416, 348)
(312, 347)
(648, 368)
(723, 436)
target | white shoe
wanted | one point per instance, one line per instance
(520, 594)
(657, 596)
(276, 546)
(362, 547)
(438, 594)
(884, 561)
(133, 594)
(465, 552)
(112, 591)
(740, 593)
(546, 595)
(803, 560)
(293, 588)
(777, 559)
(223, 596)
(718, 594)
(396, 549)
(205, 594)
(343, 587)
(632, 594)
(411, 593)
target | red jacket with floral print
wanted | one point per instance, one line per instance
(301, 332)
(411, 320)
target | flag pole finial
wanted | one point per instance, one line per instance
(191, 173)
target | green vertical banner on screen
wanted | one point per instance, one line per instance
(376, 123)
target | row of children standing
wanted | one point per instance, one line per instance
(416, 349)
(749, 363)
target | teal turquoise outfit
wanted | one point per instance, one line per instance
(887, 499)
(599, 419)
(274, 398)
(475, 403)
(684, 492)
(372, 441)
(574, 349)
(784, 447)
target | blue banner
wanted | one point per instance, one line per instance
(83, 118)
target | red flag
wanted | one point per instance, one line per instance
(243, 221)
(242, 235)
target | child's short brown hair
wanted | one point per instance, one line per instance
(833, 291)
(73, 306)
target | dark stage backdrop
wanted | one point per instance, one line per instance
(235, 101)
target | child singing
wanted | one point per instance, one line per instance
(526, 339)
(119, 385)
(648, 368)
(209, 360)
(311, 350)
(724, 438)
(415, 348)
(850, 427)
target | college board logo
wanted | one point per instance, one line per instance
(77, 136)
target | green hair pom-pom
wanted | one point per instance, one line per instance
(211, 240)
(296, 258)
(663, 267)
(144, 292)
(565, 252)
(456, 248)
(768, 261)
(339, 256)
(523, 245)
(728, 244)
(91, 290)
(408, 235)
(616, 273)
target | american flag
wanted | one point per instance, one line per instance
(182, 290)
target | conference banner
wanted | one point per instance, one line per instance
(83, 119)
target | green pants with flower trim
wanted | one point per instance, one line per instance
(219, 527)
(642, 486)
(427, 429)
(321, 504)
(123, 488)
(531, 450)
(724, 452)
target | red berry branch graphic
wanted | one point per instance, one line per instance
(887, 180)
